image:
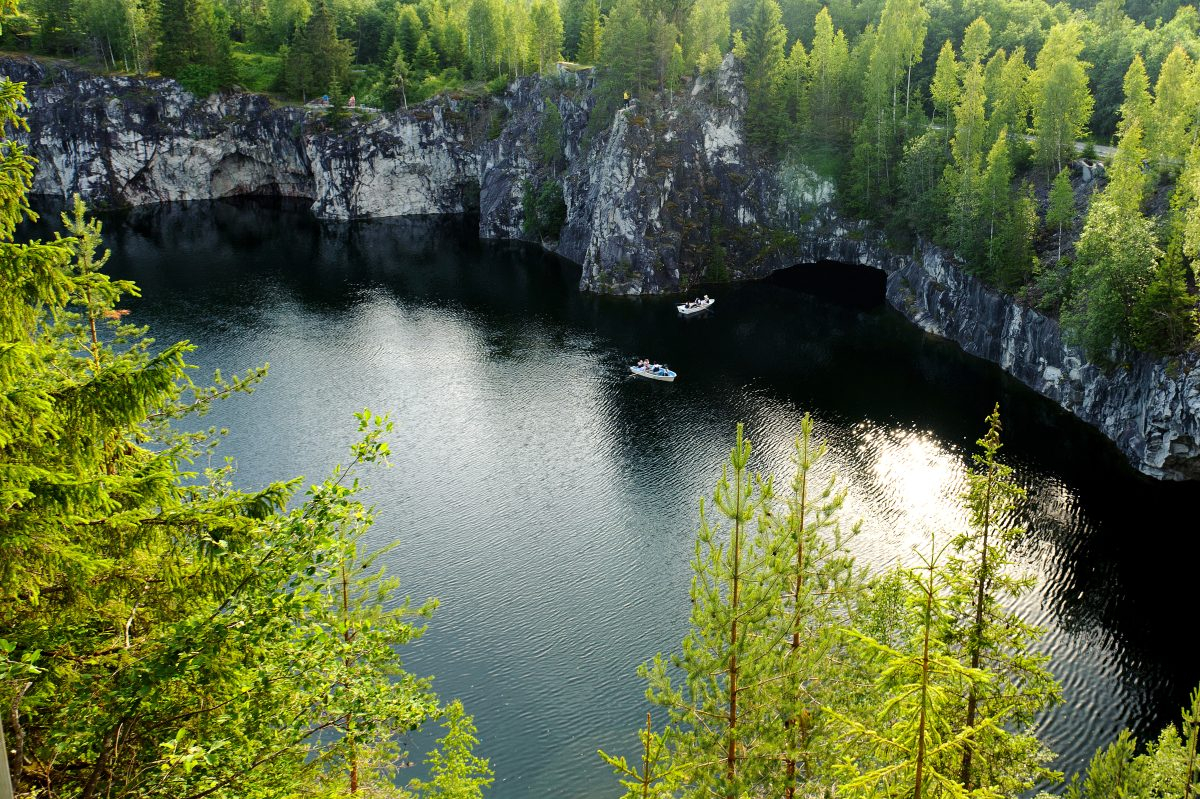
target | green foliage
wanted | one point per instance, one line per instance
(1175, 106)
(545, 34)
(317, 58)
(1062, 103)
(195, 46)
(162, 633)
(923, 197)
(855, 86)
(258, 72)
(1114, 259)
(719, 709)
(828, 68)
(657, 776)
(1166, 770)
(457, 772)
(626, 55)
(199, 79)
(545, 210)
(1061, 211)
(912, 746)
(589, 34)
(983, 585)
(764, 65)
(945, 86)
(337, 114)
(796, 679)
(549, 140)
(821, 588)
(1164, 315)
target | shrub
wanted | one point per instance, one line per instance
(200, 80)
(544, 208)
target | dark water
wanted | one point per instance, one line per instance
(550, 501)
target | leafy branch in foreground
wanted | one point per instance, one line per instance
(163, 632)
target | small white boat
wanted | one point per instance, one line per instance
(654, 372)
(695, 306)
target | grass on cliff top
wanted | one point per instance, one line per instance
(258, 72)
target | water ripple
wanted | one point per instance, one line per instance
(551, 501)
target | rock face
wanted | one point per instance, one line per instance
(132, 141)
(1151, 409)
(658, 196)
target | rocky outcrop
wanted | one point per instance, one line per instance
(658, 196)
(666, 194)
(133, 141)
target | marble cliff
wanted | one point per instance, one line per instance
(657, 197)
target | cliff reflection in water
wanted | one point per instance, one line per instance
(551, 503)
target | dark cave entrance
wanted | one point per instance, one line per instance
(852, 285)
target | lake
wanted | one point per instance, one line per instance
(550, 500)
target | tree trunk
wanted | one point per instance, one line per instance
(977, 634)
(794, 723)
(735, 586)
(920, 775)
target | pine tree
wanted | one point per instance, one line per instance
(457, 772)
(589, 34)
(194, 45)
(625, 55)
(546, 34)
(666, 54)
(913, 746)
(765, 38)
(1164, 314)
(1009, 756)
(717, 709)
(1111, 772)
(658, 776)
(425, 60)
(409, 29)
(174, 636)
(317, 58)
(549, 141)
(1166, 769)
(820, 587)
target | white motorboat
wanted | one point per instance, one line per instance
(695, 306)
(654, 372)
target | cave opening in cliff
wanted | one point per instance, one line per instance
(852, 285)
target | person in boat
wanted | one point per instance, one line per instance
(705, 298)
